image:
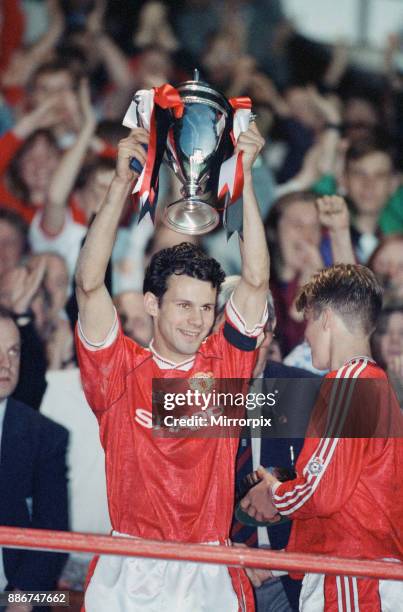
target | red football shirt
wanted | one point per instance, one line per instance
(347, 499)
(159, 488)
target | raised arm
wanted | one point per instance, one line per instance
(115, 61)
(334, 215)
(24, 63)
(69, 166)
(251, 292)
(44, 116)
(95, 305)
(328, 108)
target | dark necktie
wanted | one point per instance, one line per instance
(244, 466)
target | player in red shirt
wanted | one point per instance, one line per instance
(167, 489)
(346, 499)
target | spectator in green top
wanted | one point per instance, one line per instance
(370, 184)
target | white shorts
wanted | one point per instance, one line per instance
(134, 584)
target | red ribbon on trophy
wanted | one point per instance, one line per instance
(145, 111)
(158, 110)
(167, 96)
(231, 180)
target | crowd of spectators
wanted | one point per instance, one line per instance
(68, 70)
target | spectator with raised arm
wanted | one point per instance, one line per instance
(29, 156)
(25, 60)
(304, 234)
(60, 225)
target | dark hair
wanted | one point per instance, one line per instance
(367, 146)
(183, 258)
(17, 183)
(55, 65)
(351, 290)
(18, 223)
(99, 164)
(112, 131)
(71, 55)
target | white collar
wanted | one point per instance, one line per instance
(166, 364)
(2, 412)
(359, 358)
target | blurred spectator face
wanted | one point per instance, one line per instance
(11, 246)
(40, 306)
(390, 338)
(56, 282)
(95, 190)
(370, 181)
(48, 84)
(38, 164)
(155, 68)
(360, 118)
(301, 107)
(137, 324)
(221, 57)
(10, 347)
(58, 84)
(387, 263)
(299, 223)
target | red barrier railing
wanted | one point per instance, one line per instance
(41, 539)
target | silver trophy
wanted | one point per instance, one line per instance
(197, 146)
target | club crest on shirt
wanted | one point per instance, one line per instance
(315, 466)
(202, 381)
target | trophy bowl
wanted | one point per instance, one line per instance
(198, 143)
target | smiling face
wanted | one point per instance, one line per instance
(58, 82)
(38, 164)
(183, 318)
(370, 182)
(10, 346)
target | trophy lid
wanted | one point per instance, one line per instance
(200, 91)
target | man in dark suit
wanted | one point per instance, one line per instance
(33, 481)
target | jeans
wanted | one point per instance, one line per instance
(271, 597)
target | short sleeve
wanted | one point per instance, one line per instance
(235, 345)
(236, 331)
(105, 367)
